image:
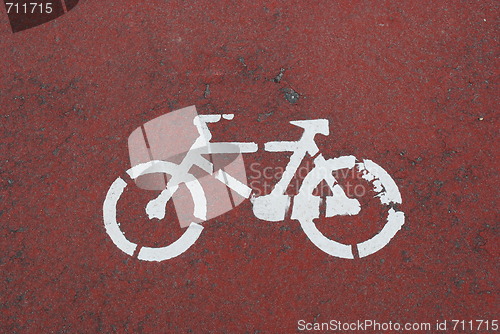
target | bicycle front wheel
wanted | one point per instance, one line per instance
(306, 206)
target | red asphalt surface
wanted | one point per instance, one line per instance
(411, 85)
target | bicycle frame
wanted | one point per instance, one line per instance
(271, 207)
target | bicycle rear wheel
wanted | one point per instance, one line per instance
(187, 239)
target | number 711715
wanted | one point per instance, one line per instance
(29, 8)
(475, 325)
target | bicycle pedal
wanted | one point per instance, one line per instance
(271, 207)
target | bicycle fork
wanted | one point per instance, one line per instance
(274, 206)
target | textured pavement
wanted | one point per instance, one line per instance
(410, 85)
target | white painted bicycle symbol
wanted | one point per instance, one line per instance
(271, 207)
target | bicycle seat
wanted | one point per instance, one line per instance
(313, 126)
(25, 15)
